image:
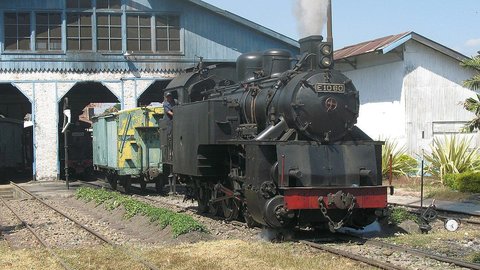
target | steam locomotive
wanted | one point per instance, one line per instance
(274, 142)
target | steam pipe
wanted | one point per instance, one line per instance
(329, 22)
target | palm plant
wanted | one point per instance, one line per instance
(473, 104)
(451, 155)
(474, 82)
(402, 163)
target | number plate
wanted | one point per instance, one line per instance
(330, 88)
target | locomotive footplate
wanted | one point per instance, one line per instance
(335, 198)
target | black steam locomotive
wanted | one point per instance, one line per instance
(275, 142)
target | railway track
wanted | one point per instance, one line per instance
(98, 236)
(419, 253)
(442, 217)
(40, 240)
(390, 247)
(362, 241)
(372, 262)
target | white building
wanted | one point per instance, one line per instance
(410, 88)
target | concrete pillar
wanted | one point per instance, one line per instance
(46, 131)
(129, 94)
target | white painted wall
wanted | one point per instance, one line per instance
(422, 92)
(434, 94)
(381, 102)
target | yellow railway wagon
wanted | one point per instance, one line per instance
(126, 147)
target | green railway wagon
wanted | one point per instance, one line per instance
(11, 145)
(126, 147)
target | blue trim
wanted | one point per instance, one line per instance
(397, 43)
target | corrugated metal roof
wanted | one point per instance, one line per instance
(367, 46)
(386, 44)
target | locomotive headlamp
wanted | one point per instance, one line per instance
(326, 49)
(326, 62)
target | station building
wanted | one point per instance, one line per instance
(107, 51)
(411, 89)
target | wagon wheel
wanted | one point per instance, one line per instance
(160, 182)
(143, 185)
(112, 180)
(127, 184)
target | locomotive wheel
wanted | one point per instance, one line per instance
(202, 198)
(230, 209)
(215, 209)
(251, 223)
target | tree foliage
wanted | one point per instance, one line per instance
(473, 104)
(474, 82)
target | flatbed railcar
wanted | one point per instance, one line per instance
(11, 146)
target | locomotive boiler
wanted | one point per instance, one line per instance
(274, 142)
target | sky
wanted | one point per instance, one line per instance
(453, 23)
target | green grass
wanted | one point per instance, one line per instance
(475, 257)
(179, 223)
(400, 214)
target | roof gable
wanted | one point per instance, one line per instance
(389, 43)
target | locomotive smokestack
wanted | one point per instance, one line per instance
(310, 45)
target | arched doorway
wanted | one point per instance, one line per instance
(16, 138)
(153, 95)
(85, 100)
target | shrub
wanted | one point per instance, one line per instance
(402, 163)
(451, 155)
(469, 182)
(400, 214)
(450, 180)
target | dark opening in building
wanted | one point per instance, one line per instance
(16, 134)
(153, 95)
(85, 100)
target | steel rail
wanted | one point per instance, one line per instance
(462, 220)
(42, 242)
(415, 252)
(441, 210)
(372, 262)
(97, 235)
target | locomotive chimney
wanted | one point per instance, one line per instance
(311, 45)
